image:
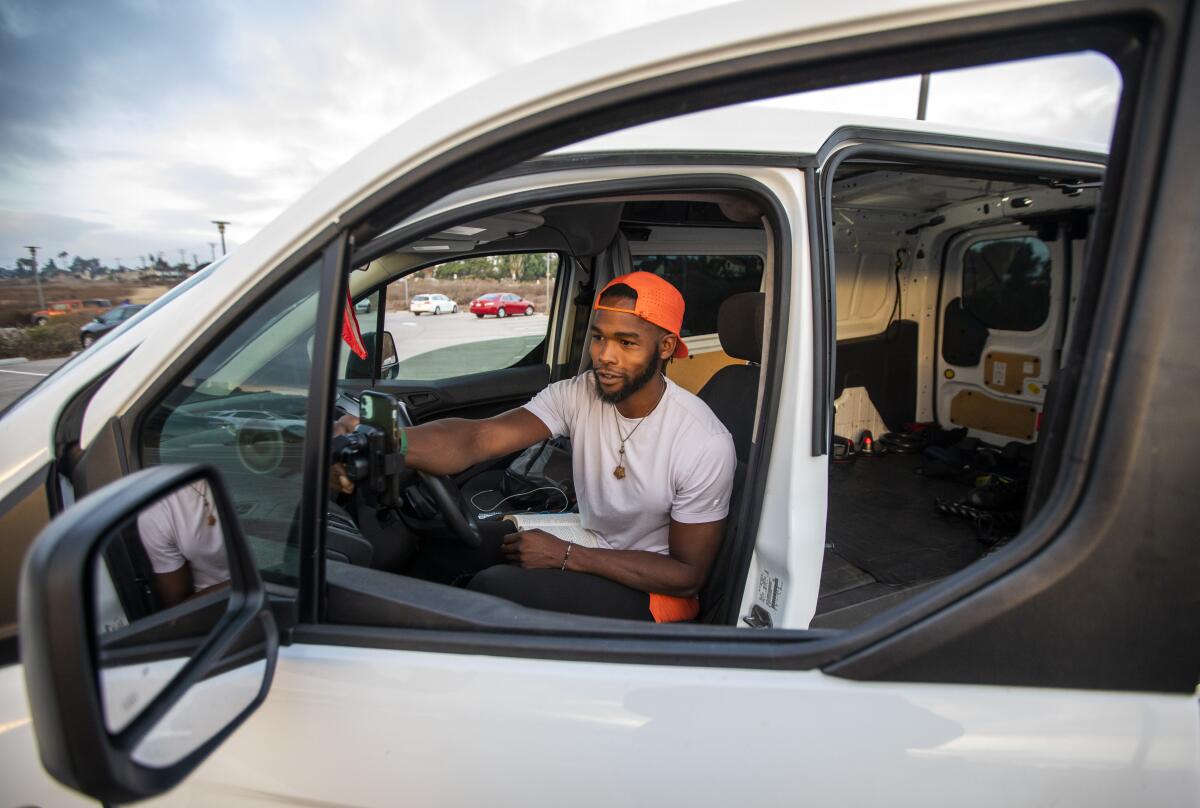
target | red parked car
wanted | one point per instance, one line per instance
(501, 304)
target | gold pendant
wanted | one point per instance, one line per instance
(619, 472)
(212, 520)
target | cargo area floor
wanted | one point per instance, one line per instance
(884, 534)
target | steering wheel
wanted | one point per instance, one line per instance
(447, 496)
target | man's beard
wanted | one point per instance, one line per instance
(639, 381)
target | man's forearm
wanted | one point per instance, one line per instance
(446, 446)
(639, 569)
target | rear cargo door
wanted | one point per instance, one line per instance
(1003, 315)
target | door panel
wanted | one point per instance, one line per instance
(1002, 323)
(347, 726)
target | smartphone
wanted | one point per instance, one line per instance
(382, 412)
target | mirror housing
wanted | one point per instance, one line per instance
(389, 366)
(59, 646)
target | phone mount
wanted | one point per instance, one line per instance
(374, 470)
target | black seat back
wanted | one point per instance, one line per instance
(732, 394)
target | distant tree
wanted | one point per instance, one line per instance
(86, 267)
(516, 266)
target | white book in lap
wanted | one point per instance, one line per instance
(565, 526)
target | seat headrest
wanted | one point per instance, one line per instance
(740, 325)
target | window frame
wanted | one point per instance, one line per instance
(652, 185)
(1155, 33)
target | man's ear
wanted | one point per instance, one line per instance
(666, 346)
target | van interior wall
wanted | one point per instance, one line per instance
(876, 349)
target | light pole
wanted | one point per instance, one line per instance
(36, 280)
(212, 247)
(923, 97)
(221, 229)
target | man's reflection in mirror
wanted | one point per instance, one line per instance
(183, 539)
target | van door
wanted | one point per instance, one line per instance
(1003, 316)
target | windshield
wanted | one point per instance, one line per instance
(75, 360)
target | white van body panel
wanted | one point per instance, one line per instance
(442, 729)
(370, 727)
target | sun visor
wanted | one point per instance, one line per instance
(589, 228)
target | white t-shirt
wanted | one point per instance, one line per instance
(679, 464)
(175, 531)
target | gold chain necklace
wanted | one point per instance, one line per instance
(619, 471)
(207, 509)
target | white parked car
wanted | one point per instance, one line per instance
(1000, 609)
(432, 304)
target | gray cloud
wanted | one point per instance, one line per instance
(63, 61)
(18, 229)
(153, 117)
(91, 239)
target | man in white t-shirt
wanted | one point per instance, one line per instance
(183, 540)
(653, 469)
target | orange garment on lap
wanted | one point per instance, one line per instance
(672, 609)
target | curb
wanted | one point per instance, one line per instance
(16, 360)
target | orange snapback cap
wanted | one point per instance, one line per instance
(658, 302)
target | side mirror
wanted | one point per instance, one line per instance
(129, 689)
(389, 365)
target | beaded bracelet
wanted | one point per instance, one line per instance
(566, 555)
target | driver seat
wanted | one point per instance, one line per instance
(732, 395)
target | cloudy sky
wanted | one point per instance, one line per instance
(127, 125)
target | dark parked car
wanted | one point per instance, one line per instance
(501, 304)
(106, 322)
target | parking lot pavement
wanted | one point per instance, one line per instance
(17, 378)
(416, 335)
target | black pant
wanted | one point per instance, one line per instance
(560, 591)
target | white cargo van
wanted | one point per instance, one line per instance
(956, 366)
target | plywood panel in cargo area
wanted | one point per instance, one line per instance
(1007, 372)
(978, 410)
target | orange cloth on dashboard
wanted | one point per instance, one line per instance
(672, 609)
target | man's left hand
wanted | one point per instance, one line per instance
(534, 550)
(339, 480)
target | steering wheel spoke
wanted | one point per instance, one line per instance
(445, 493)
